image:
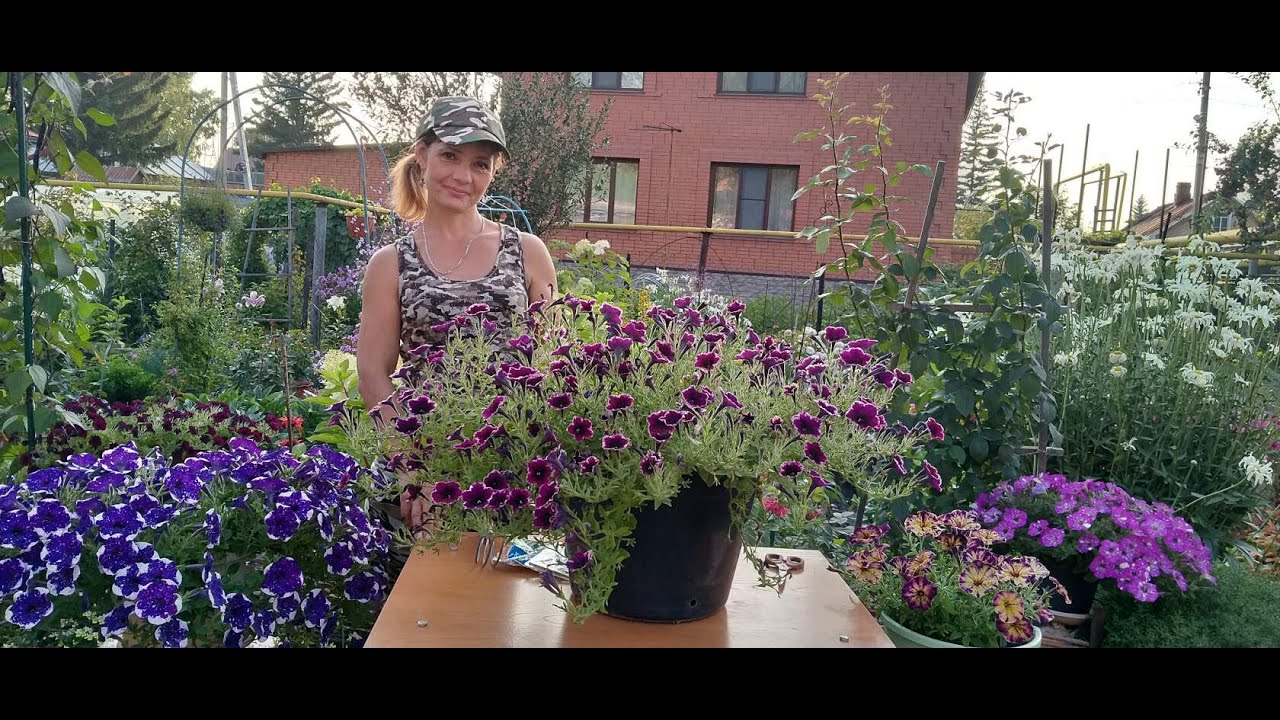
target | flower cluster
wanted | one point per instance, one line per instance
(224, 546)
(947, 583)
(1143, 547)
(180, 429)
(569, 428)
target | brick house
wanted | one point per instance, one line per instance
(707, 149)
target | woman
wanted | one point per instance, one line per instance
(452, 259)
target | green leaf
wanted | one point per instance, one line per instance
(18, 207)
(1015, 263)
(822, 240)
(978, 448)
(8, 161)
(17, 382)
(103, 119)
(90, 164)
(61, 155)
(60, 221)
(66, 268)
(79, 124)
(67, 88)
(956, 453)
(39, 376)
(910, 266)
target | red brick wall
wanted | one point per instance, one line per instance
(675, 168)
(337, 167)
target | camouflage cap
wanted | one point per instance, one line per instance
(461, 120)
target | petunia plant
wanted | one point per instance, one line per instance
(223, 548)
(584, 418)
(942, 579)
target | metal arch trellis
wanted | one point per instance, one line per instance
(301, 95)
(501, 205)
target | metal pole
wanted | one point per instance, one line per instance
(1164, 190)
(222, 156)
(1046, 241)
(1133, 189)
(244, 147)
(1084, 168)
(28, 345)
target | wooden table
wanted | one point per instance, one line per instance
(465, 605)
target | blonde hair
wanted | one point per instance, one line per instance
(408, 197)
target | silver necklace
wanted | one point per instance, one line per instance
(426, 245)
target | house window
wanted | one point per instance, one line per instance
(752, 197)
(764, 83)
(1218, 223)
(612, 198)
(609, 80)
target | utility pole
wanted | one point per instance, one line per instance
(1202, 150)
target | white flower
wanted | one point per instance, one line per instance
(1197, 377)
(1153, 325)
(336, 302)
(1118, 371)
(253, 299)
(1263, 316)
(266, 642)
(110, 643)
(1224, 268)
(1117, 357)
(1153, 360)
(1256, 471)
(1251, 288)
(583, 246)
(1242, 381)
(1190, 266)
(1196, 318)
(1232, 340)
(1273, 348)
(600, 246)
(218, 286)
(1128, 445)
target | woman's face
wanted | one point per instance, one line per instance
(456, 177)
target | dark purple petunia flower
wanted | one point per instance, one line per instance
(866, 415)
(729, 400)
(904, 378)
(476, 496)
(806, 424)
(616, 441)
(493, 407)
(282, 522)
(635, 330)
(421, 405)
(588, 464)
(899, 465)
(560, 400)
(580, 560)
(935, 478)
(834, 333)
(580, 429)
(618, 403)
(612, 315)
(695, 397)
(547, 493)
(650, 463)
(790, 468)
(855, 356)
(517, 498)
(620, 345)
(735, 307)
(706, 361)
(446, 492)
(540, 470)
(813, 451)
(935, 429)
(498, 479)
(544, 517)
(817, 481)
(408, 425)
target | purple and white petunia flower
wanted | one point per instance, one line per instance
(158, 602)
(29, 608)
(173, 634)
(282, 577)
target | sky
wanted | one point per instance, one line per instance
(1126, 112)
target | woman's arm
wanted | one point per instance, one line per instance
(378, 347)
(540, 271)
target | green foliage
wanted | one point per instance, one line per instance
(1240, 612)
(772, 314)
(396, 101)
(124, 381)
(969, 221)
(976, 374)
(210, 209)
(258, 367)
(153, 113)
(286, 119)
(978, 154)
(552, 133)
(340, 248)
(64, 245)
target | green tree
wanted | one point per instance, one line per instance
(154, 114)
(285, 119)
(551, 133)
(978, 153)
(396, 101)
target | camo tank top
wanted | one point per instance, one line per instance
(426, 299)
